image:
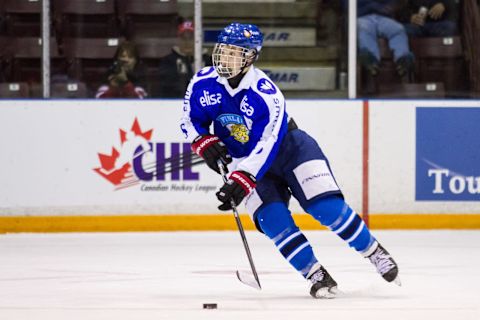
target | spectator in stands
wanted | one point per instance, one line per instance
(431, 18)
(376, 18)
(2, 72)
(126, 75)
(177, 68)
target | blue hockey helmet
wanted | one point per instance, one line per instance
(237, 47)
(242, 35)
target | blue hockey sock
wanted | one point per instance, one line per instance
(277, 223)
(337, 215)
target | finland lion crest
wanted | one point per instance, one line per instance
(236, 125)
(240, 133)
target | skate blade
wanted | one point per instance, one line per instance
(326, 293)
(397, 281)
(248, 279)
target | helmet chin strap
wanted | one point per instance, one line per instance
(235, 80)
(242, 71)
(248, 64)
(245, 69)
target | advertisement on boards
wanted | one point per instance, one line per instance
(142, 161)
(447, 154)
(130, 157)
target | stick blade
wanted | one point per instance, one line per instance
(248, 279)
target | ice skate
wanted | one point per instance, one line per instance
(386, 266)
(323, 285)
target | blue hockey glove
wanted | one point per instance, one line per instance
(237, 187)
(211, 149)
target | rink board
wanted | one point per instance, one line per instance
(142, 223)
(61, 172)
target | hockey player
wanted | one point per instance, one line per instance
(269, 158)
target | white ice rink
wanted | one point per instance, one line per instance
(139, 276)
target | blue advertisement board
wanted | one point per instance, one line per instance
(447, 154)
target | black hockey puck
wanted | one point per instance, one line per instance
(209, 306)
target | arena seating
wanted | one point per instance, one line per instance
(3, 57)
(23, 58)
(297, 36)
(151, 51)
(61, 90)
(436, 60)
(148, 18)
(22, 17)
(290, 26)
(154, 48)
(470, 24)
(434, 90)
(69, 90)
(89, 59)
(387, 75)
(302, 63)
(86, 18)
(14, 90)
(441, 58)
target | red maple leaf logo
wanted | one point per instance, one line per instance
(109, 169)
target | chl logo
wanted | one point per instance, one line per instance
(210, 99)
(139, 159)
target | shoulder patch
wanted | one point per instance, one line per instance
(205, 72)
(266, 86)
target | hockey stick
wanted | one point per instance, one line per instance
(244, 277)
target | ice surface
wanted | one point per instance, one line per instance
(171, 275)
